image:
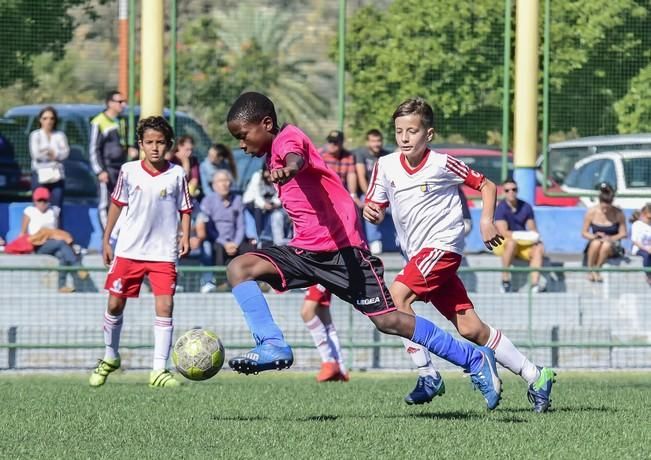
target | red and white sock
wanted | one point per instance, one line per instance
(112, 329)
(320, 336)
(163, 329)
(335, 346)
(421, 358)
(510, 357)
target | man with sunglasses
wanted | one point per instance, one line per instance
(515, 221)
(108, 149)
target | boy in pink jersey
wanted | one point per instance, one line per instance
(422, 188)
(154, 192)
(327, 249)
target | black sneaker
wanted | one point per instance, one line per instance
(506, 287)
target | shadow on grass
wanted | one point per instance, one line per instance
(594, 409)
(452, 415)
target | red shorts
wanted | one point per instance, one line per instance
(125, 277)
(318, 294)
(432, 276)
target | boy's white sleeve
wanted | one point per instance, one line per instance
(183, 201)
(377, 191)
(120, 195)
(459, 173)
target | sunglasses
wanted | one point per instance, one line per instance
(119, 101)
(42, 200)
(507, 190)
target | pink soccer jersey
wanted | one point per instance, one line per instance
(323, 213)
(425, 202)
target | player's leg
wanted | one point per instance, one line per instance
(364, 287)
(315, 313)
(162, 277)
(113, 318)
(430, 383)
(271, 351)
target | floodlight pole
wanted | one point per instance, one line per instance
(341, 70)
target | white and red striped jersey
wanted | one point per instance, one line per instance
(425, 202)
(150, 225)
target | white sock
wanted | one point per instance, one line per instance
(163, 329)
(112, 329)
(421, 358)
(335, 346)
(320, 337)
(510, 357)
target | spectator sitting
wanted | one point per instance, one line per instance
(604, 226)
(262, 198)
(48, 148)
(641, 237)
(182, 155)
(40, 222)
(220, 228)
(219, 157)
(515, 220)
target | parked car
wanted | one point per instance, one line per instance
(74, 120)
(629, 172)
(562, 156)
(12, 184)
(488, 160)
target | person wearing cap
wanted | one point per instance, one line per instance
(604, 226)
(341, 161)
(515, 221)
(41, 224)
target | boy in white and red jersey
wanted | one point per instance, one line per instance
(422, 188)
(327, 249)
(154, 193)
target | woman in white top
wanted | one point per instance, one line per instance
(641, 236)
(48, 149)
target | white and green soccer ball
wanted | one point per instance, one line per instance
(198, 354)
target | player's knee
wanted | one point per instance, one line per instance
(239, 270)
(388, 323)
(470, 331)
(115, 305)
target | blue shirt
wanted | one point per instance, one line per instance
(225, 218)
(516, 220)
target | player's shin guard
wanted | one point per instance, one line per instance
(112, 330)
(443, 345)
(420, 356)
(510, 357)
(257, 314)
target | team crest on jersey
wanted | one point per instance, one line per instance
(117, 286)
(163, 193)
(427, 187)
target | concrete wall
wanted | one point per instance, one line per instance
(560, 227)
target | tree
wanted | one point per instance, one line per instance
(29, 28)
(223, 55)
(451, 54)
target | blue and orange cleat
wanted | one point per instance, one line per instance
(427, 388)
(263, 357)
(540, 392)
(486, 379)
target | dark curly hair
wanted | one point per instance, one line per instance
(157, 123)
(252, 107)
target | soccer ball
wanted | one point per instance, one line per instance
(198, 354)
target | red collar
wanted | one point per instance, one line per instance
(408, 168)
(154, 172)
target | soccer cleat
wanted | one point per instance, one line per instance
(486, 379)
(162, 378)
(263, 357)
(427, 388)
(331, 372)
(539, 392)
(103, 369)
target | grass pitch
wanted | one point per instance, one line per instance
(289, 415)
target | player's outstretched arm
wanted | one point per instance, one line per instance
(373, 212)
(293, 164)
(489, 232)
(113, 215)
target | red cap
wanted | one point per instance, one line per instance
(41, 193)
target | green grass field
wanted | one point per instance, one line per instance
(289, 415)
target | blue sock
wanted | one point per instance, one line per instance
(257, 314)
(443, 345)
